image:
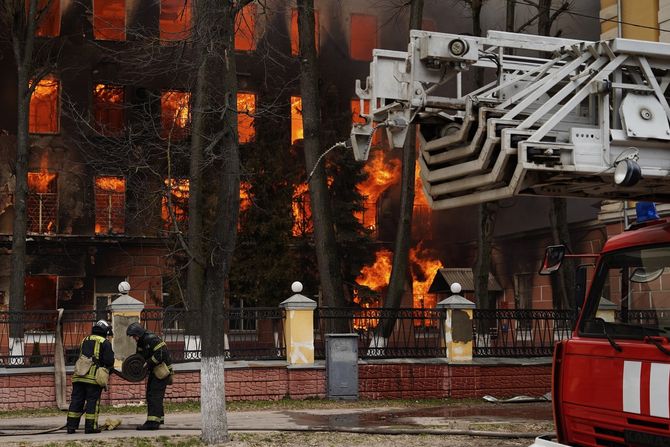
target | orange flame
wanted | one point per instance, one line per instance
(111, 184)
(179, 190)
(245, 197)
(302, 210)
(419, 197)
(424, 268)
(42, 181)
(297, 132)
(382, 173)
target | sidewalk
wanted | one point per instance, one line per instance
(536, 417)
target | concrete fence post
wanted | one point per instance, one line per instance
(299, 327)
(606, 310)
(125, 310)
(458, 325)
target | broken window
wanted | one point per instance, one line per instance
(245, 28)
(302, 211)
(175, 19)
(295, 43)
(109, 19)
(40, 294)
(42, 205)
(363, 36)
(174, 210)
(47, 17)
(175, 114)
(44, 107)
(246, 107)
(357, 118)
(110, 205)
(296, 119)
(108, 109)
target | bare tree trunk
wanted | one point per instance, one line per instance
(558, 215)
(510, 15)
(196, 272)
(486, 212)
(215, 25)
(23, 42)
(544, 21)
(327, 256)
(403, 239)
(486, 218)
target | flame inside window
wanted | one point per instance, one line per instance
(109, 19)
(245, 28)
(302, 211)
(108, 109)
(175, 114)
(297, 132)
(175, 210)
(110, 205)
(246, 107)
(245, 196)
(48, 17)
(42, 204)
(295, 42)
(363, 36)
(44, 107)
(175, 19)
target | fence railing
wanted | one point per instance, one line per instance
(258, 333)
(520, 332)
(254, 333)
(384, 333)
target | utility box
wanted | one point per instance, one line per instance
(342, 366)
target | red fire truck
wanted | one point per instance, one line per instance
(611, 379)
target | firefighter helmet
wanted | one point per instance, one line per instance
(135, 329)
(102, 327)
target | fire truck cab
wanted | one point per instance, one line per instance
(611, 380)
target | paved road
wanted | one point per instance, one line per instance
(487, 417)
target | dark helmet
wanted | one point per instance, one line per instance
(135, 329)
(101, 327)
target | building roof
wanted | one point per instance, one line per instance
(464, 276)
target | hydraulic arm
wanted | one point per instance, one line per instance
(559, 117)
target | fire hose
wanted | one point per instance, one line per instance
(133, 369)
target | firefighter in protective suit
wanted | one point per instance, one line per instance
(155, 353)
(86, 390)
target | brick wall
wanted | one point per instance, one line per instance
(388, 380)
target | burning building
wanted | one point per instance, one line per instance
(95, 218)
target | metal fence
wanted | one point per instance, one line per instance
(412, 333)
(258, 333)
(252, 333)
(38, 329)
(520, 332)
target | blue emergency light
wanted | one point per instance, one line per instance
(645, 211)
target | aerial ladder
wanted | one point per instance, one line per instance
(558, 117)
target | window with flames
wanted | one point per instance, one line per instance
(108, 109)
(174, 209)
(44, 107)
(110, 205)
(175, 114)
(109, 19)
(175, 20)
(48, 17)
(42, 206)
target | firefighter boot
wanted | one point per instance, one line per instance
(91, 428)
(72, 425)
(149, 425)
